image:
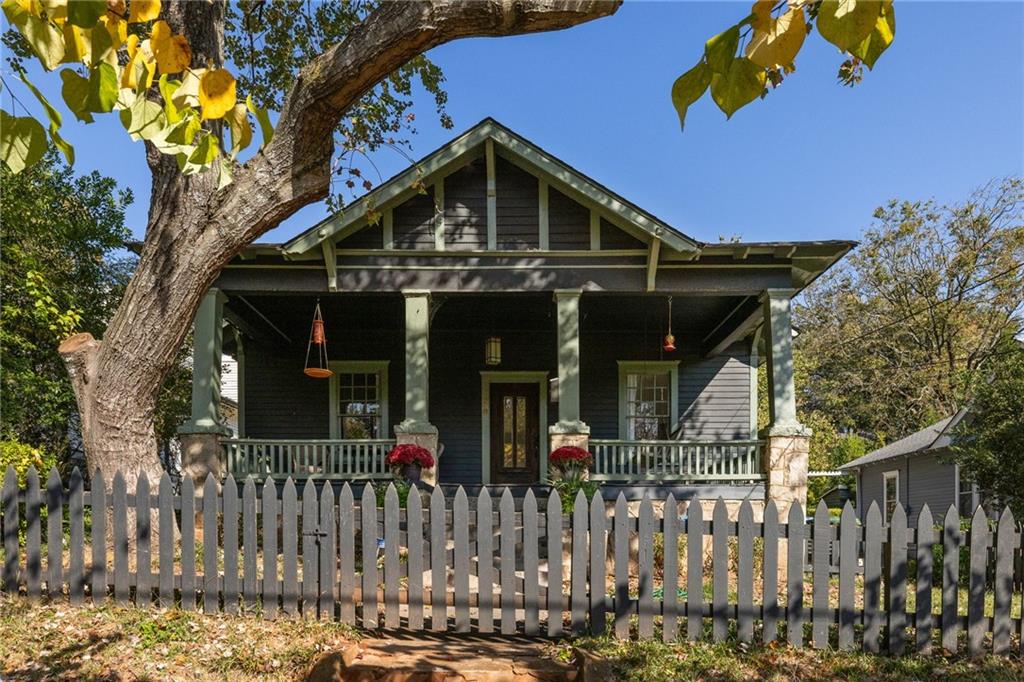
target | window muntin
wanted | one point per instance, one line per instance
(648, 405)
(359, 400)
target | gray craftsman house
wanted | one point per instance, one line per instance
(915, 471)
(492, 303)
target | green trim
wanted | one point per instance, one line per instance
(240, 365)
(595, 230)
(439, 215)
(652, 264)
(543, 223)
(508, 144)
(331, 263)
(353, 366)
(499, 377)
(627, 367)
(492, 197)
(417, 356)
(388, 229)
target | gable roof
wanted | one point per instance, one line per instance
(524, 152)
(932, 437)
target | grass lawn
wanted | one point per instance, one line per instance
(653, 661)
(56, 641)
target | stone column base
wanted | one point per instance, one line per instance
(424, 435)
(573, 435)
(201, 456)
(785, 465)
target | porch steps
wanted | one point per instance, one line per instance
(426, 657)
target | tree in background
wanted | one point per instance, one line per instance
(62, 270)
(989, 443)
(899, 335)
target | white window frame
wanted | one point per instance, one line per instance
(648, 367)
(886, 476)
(340, 367)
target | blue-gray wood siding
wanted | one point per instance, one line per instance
(370, 237)
(568, 223)
(414, 222)
(517, 208)
(281, 402)
(924, 478)
(614, 238)
(465, 207)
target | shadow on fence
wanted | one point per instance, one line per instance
(462, 565)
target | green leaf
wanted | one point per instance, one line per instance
(102, 88)
(85, 13)
(872, 47)
(22, 141)
(206, 151)
(264, 120)
(224, 175)
(45, 38)
(145, 119)
(168, 86)
(846, 23)
(740, 85)
(55, 120)
(103, 49)
(721, 49)
(75, 92)
(688, 88)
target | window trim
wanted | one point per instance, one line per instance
(340, 367)
(886, 475)
(648, 367)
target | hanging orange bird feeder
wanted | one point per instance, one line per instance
(316, 361)
(669, 344)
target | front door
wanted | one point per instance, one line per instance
(514, 434)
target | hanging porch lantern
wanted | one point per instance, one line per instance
(669, 344)
(492, 350)
(316, 352)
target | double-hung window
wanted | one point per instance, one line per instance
(359, 399)
(890, 492)
(648, 399)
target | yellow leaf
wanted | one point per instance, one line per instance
(762, 14)
(188, 94)
(143, 10)
(216, 93)
(173, 54)
(117, 29)
(241, 131)
(780, 43)
(77, 44)
(845, 23)
(138, 67)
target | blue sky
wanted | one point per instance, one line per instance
(942, 113)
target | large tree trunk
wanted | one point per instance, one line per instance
(193, 229)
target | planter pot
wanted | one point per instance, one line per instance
(411, 473)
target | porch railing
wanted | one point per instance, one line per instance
(655, 460)
(327, 459)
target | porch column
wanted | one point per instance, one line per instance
(200, 435)
(416, 428)
(787, 441)
(570, 429)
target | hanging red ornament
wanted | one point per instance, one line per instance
(669, 344)
(317, 368)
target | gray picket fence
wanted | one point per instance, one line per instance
(517, 567)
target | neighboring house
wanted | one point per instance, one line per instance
(492, 303)
(915, 471)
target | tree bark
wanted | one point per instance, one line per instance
(194, 230)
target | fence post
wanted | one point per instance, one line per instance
(531, 567)
(670, 570)
(211, 601)
(556, 600)
(720, 571)
(744, 572)
(795, 575)
(310, 549)
(269, 601)
(950, 578)
(188, 542)
(485, 561)
(165, 507)
(55, 534)
(120, 522)
(847, 568)
(392, 544)
(328, 557)
(368, 529)
(1005, 542)
(897, 588)
(694, 570)
(230, 539)
(622, 531)
(923, 584)
(645, 564)
(11, 530)
(976, 624)
(250, 523)
(438, 560)
(33, 558)
(507, 522)
(770, 573)
(143, 538)
(872, 578)
(347, 553)
(290, 548)
(578, 585)
(76, 536)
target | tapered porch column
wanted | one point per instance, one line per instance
(787, 441)
(200, 435)
(570, 429)
(416, 428)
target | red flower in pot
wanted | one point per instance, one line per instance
(570, 458)
(409, 460)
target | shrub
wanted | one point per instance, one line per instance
(21, 456)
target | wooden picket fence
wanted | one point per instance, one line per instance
(501, 569)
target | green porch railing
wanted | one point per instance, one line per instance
(676, 460)
(325, 459)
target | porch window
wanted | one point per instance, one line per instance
(891, 492)
(648, 399)
(359, 400)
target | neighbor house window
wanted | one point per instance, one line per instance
(359, 400)
(648, 399)
(890, 491)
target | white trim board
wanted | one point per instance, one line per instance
(488, 377)
(627, 367)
